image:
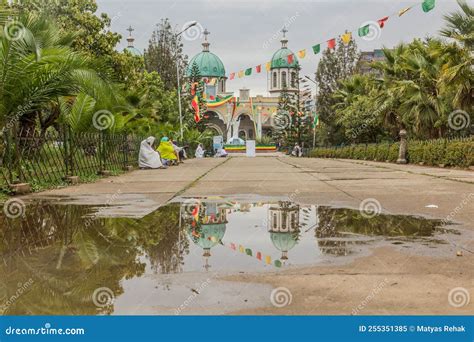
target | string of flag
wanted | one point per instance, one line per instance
(363, 31)
(267, 259)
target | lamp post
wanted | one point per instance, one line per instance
(314, 128)
(194, 23)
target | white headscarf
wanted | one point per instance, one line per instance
(149, 158)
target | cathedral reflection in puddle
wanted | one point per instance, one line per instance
(58, 255)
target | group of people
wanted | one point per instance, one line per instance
(218, 153)
(167, 154)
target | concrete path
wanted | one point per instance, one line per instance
(388, 281)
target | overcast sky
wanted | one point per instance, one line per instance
(246, 33)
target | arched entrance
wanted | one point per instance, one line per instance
(246, 127)
(214, 122)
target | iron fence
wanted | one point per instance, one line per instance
(47, 159)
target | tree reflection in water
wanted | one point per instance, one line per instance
(67, 257)
(340, 230)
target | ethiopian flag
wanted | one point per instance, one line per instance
(316, 120)
(195, 105)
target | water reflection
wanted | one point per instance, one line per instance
(55, 256)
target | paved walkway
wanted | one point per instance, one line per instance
(406, 282)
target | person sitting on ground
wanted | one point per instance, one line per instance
(199, 152)
(167, 152)
(180, 152)
(220, 153)
(297, 151)
(148, 158)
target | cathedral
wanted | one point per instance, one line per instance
(248, 117)
(253, 116)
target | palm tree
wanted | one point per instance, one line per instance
(460, 25)
(38, 68)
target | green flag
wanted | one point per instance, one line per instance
(428, 5)
(316, 120)
(317, 48)
(364, 30)
(248, 72)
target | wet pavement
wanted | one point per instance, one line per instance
(68, 259)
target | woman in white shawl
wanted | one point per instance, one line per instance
(149, 158)
(199, 152)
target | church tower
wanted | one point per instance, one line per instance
(211, 69)
(130, 41)
(283, 70)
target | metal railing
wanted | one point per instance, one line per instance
(47, 159)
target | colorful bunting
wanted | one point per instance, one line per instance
(317, 49)
(268, 260)
(382, 21)
(428, 5)
(346, 38)
(364, 30)
(403, 11)
(331, 43)
(241, 249)
(248, 251)
(259, 255)
(232, 246)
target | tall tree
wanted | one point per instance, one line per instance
(335, 66)
(165, 49)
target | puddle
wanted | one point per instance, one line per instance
(63, 259)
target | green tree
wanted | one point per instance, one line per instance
(165, 49)
(335, 66)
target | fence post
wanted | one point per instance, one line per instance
(66, 154)
(103, 155)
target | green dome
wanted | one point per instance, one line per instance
(133, 51)
(280, 59)
(208, 63)
(283, 241)
(210, 235)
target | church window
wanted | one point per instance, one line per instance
(284, 82)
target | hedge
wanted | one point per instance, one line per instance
(449, 152)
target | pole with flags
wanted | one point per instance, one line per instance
(315, 124)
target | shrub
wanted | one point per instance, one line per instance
(457, 152)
